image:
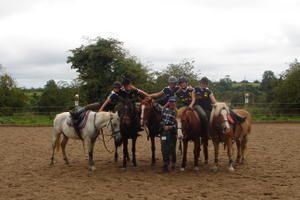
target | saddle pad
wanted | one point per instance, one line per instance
(82, 123)
(230, 119)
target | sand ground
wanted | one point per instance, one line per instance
(272, 170)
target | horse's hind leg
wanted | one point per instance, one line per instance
(55, 145)
(153, 150)
(244, 148)
(133, 152)
(63, 148)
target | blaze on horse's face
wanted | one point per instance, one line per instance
(146, 106)
(223, 117)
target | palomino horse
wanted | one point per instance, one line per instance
(129, 129)
(222, 130)
(189, 129)
(151, 119)
(89, 133)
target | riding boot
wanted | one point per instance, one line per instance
(165, 168)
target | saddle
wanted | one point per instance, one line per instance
(78, 121)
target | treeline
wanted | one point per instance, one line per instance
(102, 61)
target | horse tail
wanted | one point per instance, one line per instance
(57, 142)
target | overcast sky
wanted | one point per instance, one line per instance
(241, 38)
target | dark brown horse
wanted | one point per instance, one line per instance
(190, 125)
(151, 119)
(129, 129)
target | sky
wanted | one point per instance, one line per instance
(240, 38)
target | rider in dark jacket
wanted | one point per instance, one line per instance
(167, 91)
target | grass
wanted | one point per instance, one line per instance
(27, 120)
(31, 119)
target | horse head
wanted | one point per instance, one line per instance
(145, 107)
(113, 124)
(190, 121)
(219, 117)
(127, 112)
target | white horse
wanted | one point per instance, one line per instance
(89, 133)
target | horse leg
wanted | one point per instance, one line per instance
(63, 148)
(116, 152)
(244, 148)
(90, 143)
(229, 153)
(196, 154)
(125, 152)
(205, 149)
(55, 145)
(127, 155)
(238, 146)
(185, 146)
(133, 152)
(153, 150)
(216, 148)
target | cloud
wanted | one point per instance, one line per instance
(224, 37)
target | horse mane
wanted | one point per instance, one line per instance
(217, 107)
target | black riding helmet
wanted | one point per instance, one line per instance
(126, 81)
(182, 79)
(117, 84)
(204, 80)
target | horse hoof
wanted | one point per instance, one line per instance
(182, 169)
(92, 168)
(214, 169)
(196, 168)
(231, 169)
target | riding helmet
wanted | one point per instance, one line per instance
(117, 84)
(204, 80)
(172, 79)
(182, 79)
(126, 81)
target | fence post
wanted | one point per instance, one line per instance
(76, 98)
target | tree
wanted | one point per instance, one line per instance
(184, 68)
(287, 93)
(268, 83)
(103, 61)
(11, 96)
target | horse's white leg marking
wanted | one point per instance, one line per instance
(179, 128)
(142, 115)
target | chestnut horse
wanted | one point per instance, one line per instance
(151, 119)
(222, 130)
(189, 125)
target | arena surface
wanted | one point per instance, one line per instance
(272, 170)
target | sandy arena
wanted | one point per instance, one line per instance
(272, 170)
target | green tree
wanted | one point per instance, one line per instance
(12, 98)
(184, 68)
(103, 61)
(268, 84)
(287, 93)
